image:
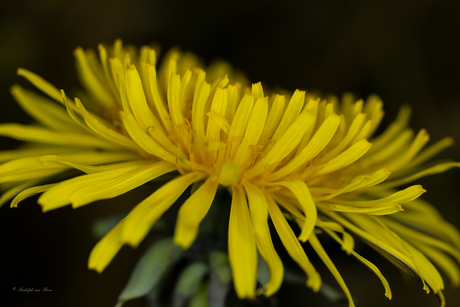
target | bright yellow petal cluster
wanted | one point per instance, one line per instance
(282, 157)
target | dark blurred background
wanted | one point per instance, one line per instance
(405, 51)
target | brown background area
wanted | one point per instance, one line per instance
(405, 51)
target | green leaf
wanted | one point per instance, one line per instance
(219, 279)
(331, 294)
(219, 263)
(149, 270)
(153, 297)
(189, 282)
(201, 298)
(293, 276)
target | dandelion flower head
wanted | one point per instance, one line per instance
(294, 160)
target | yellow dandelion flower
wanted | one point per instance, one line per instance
(295, 160)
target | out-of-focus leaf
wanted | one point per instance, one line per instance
(331, 294)
(153, 296)
(189, 282)
(219, 279)
(219, 263)
(149, 270)
(293, 277)
(201, 298)
(318, 231)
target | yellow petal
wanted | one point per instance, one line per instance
(174, 91)
(321, 138)
(74, 112)
(168, 67)
(91, 81)
(157, 100)
(192, 213)
(292, 112)
(184, 88)
(104, 251)
(46, 136)
(25, 169)
(357, 183)
(374, 236)
(54, 161)
(41, 84)
(218, 107)
(384, 209)
(391, 245)
(314, 242)
(143, 140)
(287, 143)
(120, 185)
(42, 166)
(363, 132)
(7, 155)
(251, 137)
(367, 263)
(292, 245)
(402, 160)
(311, 107)
(348, 241)
(423, 215)
(259, 216)
(355, 127)
(10, 192)
(345, 158)
(395, 129)
(30, 192)
(393, 150)
(198, 114)
(101, 130)
(443, 261)
(257, 90)
(137, 100)
(107, 73)
(400, 197)
(234, 98)
(431, 151)
(242, 251)
(273, 119)
(240, 123)
(139, 221)
(85, 189)
(373, 109)
(44, 110)
(436, 169)
(220, 121)
(302, 194)
(415, 236)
